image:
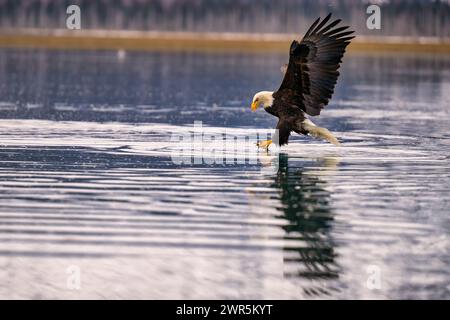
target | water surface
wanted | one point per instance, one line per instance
(88, 182)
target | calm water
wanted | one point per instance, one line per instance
(88, 186)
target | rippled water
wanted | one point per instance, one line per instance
(88, 184)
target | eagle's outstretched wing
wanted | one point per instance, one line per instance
(313, 63)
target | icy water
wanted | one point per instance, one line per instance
(93, 205)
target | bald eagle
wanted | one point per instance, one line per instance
(308, 83)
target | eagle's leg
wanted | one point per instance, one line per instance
(264, 144)
(307, 127)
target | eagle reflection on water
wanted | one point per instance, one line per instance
(305, 204)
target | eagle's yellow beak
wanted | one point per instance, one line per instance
(255, 105)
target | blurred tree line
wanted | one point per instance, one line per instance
(398, 17)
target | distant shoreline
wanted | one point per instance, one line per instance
(193, 41)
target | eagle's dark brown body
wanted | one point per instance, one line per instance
(290, 118)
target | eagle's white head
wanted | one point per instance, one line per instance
(264, 98)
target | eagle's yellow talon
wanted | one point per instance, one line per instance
(264, 144)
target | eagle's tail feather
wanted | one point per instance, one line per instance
(319, 132)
